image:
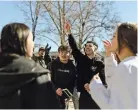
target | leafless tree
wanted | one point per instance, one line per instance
(89, 19)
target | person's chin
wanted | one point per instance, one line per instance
(64, 60)
(88, 53)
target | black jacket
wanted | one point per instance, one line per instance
(25, 85)
(63, 75)
(47, 59)
(86, 67)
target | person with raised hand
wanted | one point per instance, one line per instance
(121, 75)
(47, 57)
(87, 66)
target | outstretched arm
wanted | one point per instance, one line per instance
(75, 51)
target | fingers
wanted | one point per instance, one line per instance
(49, 48)
(107, 43)
(67, 26)
(59, 91)
(107, 46)
(46, 45)
(96, 77)
(86, 86)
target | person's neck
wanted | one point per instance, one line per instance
(91, 56)
(28, 57)
(125, 53)
(64, 61)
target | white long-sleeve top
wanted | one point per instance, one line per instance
(122, 85)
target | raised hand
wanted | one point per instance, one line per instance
(67, 27)
(107, 46)
(47, 49)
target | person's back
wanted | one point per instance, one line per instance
(125, 84)
(25, 84)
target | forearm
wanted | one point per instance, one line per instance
(100, 94)
(72, 42)
(110, 65)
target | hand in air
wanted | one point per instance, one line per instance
(67, 27)
(107, 46)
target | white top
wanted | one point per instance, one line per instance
(122, 85)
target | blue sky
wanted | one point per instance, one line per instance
(9, 12)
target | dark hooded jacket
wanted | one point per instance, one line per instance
(24, 84)
(86, 67)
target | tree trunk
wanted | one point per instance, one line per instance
(63, 22)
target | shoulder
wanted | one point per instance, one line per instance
(129, 65)
(99, 58)
(127, 70)
(99, 61)
(52, 63)
(71, 62)
(35, 57)
(28, 65)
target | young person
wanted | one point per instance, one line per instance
(121, 76)
(87, 66)
(24, 84)
(63, 73)
(39, 57)
(43, 57)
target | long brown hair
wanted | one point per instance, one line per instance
(14, 37)
(127, 34)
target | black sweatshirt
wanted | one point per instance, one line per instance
(63, 75)
(86, 67)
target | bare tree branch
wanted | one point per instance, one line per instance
(30, 3)
(51, 40)
(53, 19)
(88, 18)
